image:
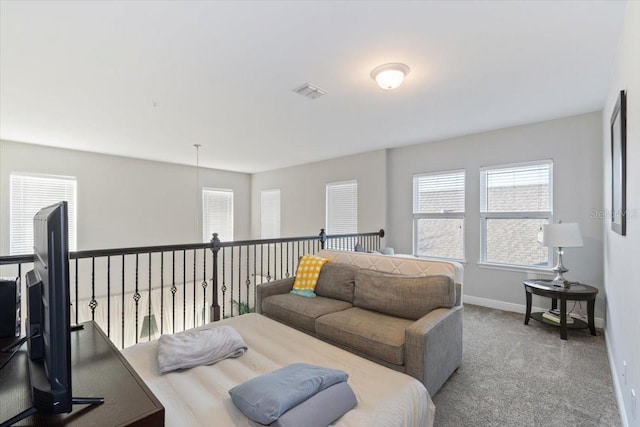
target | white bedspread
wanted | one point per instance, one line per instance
(199, 396)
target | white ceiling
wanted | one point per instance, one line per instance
(150, 79)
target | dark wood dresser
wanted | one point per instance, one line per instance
(98, 370)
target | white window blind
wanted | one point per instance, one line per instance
(515, 201)
(438, 214)
(217, 214)
(517, 188)
(29, 194)
(342, 207)
(270, 214)
(438, 192)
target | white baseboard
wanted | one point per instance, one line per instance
(509, 306)
(616, 384)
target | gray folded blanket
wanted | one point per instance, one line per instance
(265, 398)
(194, 348)
(321, 409)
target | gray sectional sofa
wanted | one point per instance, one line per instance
(404, 313)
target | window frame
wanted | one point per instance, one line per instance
(327, 187)
(72, 206)
(484, 215)
(440, 215)
(204, 226)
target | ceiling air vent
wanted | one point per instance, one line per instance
(310, 91)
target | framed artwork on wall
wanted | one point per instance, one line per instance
(619, 166)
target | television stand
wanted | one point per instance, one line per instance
(98, 368)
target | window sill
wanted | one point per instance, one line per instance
(506, 267)
(433, 258)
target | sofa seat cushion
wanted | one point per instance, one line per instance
(410, 297)
(300, 312)
(372, 333)
(337, 281)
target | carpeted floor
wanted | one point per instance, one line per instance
(517, 375)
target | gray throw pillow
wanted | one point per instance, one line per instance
(410, 297)
(336, 281)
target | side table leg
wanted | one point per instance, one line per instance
(554, 303)
(527, 315)
(590, 312)
(563, 318)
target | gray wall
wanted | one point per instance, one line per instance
(122, 201)
(574, 145)
(622, 253)
(302, 193)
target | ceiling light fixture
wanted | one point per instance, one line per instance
(390, 76)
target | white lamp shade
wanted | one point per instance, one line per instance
(390, 76)
(563, 235)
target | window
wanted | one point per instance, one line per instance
(438, 214)
(515, 201)
(29, 194)
(342, 207)
(270, 214)
(217, 214)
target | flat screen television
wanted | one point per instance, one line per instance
(48, 318)
(48, 312)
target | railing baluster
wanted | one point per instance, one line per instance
(76, 280)
(261, 263)
(149, 304)
(287, 275)
(109, 296)
(275, 261)
(248, 281)
(268, 263)
(215, 306)
(161, 292)
(255, 281)
(173, 291)
(184, 289)
(204, 286)
(136, 298)
(239, 280)
(231, 280)
(224, 282)
(93, 303)
(281, 256)
(194, 288)
(122, 299)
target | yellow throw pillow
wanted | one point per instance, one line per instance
(307, 276)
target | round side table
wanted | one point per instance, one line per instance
(575, 292)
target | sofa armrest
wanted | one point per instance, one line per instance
(264, 290)
(433, 347)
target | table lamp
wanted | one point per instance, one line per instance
(561, 235)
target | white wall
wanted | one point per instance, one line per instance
(574, 145)
(622, 253)
(125, 202)
(302, 193)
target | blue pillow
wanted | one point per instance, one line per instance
(265, 398)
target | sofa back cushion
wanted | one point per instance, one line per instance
(337, 281)
(410, 297)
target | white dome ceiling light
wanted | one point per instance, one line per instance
(390, 76)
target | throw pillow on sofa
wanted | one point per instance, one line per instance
(336, 281)
(410, 297)
(307, 275)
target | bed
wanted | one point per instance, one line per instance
(199, 396)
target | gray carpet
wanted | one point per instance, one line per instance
(517, 375)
